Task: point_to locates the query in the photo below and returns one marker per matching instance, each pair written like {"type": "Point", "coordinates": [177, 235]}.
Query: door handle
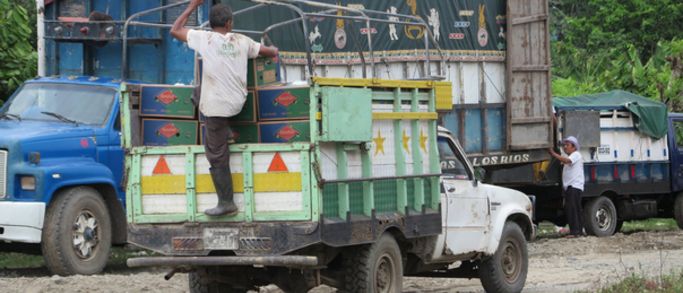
{"type": "Point", "coordinates": [451, 189]}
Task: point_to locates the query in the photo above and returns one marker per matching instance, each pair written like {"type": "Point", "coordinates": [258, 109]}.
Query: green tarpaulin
{"type": "Point", "coordinates": [650, 117]}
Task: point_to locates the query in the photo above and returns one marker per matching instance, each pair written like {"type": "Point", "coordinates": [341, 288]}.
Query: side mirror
{"type": "Point", "coordinates": [479, 173]}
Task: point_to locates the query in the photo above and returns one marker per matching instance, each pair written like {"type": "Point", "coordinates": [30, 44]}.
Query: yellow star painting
{"type": "Point", "coordinates": [379, 143]}
{"type": "Point", "coordinates": [406, 139]}
{"type": "Point", "coordinates": [423, 141]}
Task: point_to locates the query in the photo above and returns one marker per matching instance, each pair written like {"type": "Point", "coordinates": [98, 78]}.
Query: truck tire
{"type": "Point", "coordinates": [375, 268]}
{"type": "Point", "coordinates": [506, 270]}
{"type": "Point", "coordinates": [203, 280]}
{"type": "Point", "coordinates": [76, 233]}
{"type": "Point", "coordinates": [678, 210]}
{"type": "Point", "coordinates": [600, 217]}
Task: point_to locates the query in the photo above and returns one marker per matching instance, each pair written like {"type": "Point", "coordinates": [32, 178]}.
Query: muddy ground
{"type": "Point", "coordinates": [555, 265]}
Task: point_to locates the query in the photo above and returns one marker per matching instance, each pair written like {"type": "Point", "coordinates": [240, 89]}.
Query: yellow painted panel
{"type": "Point", "coordinates": [444, 96]}
{"type": "Point", "coordinates": [163, 184]}
{"type": "Point", "coordinates": [277, 182]}
{"type": "Point", "coordinates": [374, 82]}
{"type": "Point", "coordinates": [204, 183]}
{"type": "Point", "coordinates": [263, 182]}
{"type": "Point", "coordinates": [404, 115]}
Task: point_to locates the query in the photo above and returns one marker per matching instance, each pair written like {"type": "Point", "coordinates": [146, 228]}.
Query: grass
{"type": "Point", "coordinates": [649, 225]}
{"type": "Point", "coordinates": [549, 230]}
{"type": "Point", "coordinates": [672, 283]}
{"type": "Point", "coordinates": [16, 260]}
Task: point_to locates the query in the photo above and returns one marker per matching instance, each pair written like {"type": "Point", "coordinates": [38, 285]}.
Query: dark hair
{"type": "Point", "coordinates": [219, 15]}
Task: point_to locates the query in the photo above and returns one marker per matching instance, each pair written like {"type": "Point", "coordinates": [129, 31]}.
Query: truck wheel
{"type": "Point", "coordinates": [376, 268]}
{"type": "Point", "coordinates": [506, 270]}
{"type": "Point", "coordinates": [600, 217]}
{"type": "Point", "coordinates": [678, 210]}
{"type": "Point", "coordinates": [204, 280]}
{"type": "Point", "coordinates": [76, 233]}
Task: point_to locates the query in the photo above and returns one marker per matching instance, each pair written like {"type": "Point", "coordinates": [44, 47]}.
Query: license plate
{"type": "Point", "coordinates": [221, 238]}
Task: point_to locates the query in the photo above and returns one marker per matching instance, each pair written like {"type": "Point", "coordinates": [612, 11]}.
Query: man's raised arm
{"type": "Point", "coordinates": [268, 51]}
{"type": "Point", "coordinates": [179, 31]}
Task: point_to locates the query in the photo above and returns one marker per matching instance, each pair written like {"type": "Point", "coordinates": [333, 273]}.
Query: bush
{"type": "Point", "coordinates": [18, 59]}
{"type": "Point", "coordinates": [666, 284]}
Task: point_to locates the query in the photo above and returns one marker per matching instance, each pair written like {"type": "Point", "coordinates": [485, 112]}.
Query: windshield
{"type": "Point", "coordinates": [68, 103]}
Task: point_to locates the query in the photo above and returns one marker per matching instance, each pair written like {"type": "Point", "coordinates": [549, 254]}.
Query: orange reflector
{"type": "Point", "coordinates": [161, 167]}
{"type": "Point", "coordinates": [277, 164]}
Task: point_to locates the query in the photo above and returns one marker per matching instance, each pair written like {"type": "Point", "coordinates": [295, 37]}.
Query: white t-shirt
{"type": "Point", "coordinates": [572, 174]}
{"type": "Point", "coordinates": [224, 76]}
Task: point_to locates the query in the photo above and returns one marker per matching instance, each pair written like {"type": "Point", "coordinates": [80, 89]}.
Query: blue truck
{"type": "Point", "coordinates": [62, 165]}
{"type": "Point", "coordinates": [632, 151]}
{"type": "Point", "coordinates": [61, 159]}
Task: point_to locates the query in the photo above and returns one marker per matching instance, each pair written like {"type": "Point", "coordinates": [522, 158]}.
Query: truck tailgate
{"type": "Point", "coordinates": [173, 184]}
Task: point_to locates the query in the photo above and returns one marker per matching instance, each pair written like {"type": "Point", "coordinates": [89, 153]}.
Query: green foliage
{"type": "Point", "coordinates": [672, 283]}
{"type": "Point", "coordinates": [18, 59]}
{"type": "Point", "coordinates": [634, 45]}
{"type": "Point", "coordinates": [649, 225]}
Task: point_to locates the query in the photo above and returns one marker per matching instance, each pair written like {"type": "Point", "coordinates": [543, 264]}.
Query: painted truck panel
{"type": "Point", "coordinates": [503, 107]}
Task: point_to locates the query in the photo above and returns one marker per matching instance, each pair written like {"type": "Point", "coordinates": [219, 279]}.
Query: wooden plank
{"type": "Point", "coordinates": [527, 68]}
{"type": "Point", "coordinates": [405, 116]}
{"type": "Point", "coordinates": [417, 156]}
{"type": "Point", "coordinates": [401, 188]}
{"type": "Point", "coordinates": [343, 188]}
{"type": "Point", "coordinates": [529, 19]}
{"type": "Point", "coordinates": [248, 190]}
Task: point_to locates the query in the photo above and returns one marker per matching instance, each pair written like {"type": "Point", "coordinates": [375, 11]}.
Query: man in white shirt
{"type": "Point", "coordinates": [572, 183]}
{"type": "Point", "coordinates": [223, 90]}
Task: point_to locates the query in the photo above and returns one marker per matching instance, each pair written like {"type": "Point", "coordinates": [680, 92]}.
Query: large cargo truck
{"type": "Point", "coordinates": [495, 53]}
{"type": "Point", "coordinates": [631, 151]}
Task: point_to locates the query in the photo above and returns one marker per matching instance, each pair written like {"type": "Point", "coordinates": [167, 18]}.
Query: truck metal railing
{"type": "Point", "coordinates": [106, 30]}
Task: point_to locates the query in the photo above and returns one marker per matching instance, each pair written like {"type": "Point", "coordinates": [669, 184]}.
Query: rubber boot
{"type": "Point", "coordinates": [222, 180]}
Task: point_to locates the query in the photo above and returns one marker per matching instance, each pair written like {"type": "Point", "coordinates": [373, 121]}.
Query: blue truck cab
{"type": "Point", "coordinates": [61, 166]}
{"type": "Point", "coordinates": [61, 159]}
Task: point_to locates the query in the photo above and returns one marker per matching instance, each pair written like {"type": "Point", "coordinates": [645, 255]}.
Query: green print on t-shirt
{"type": "Point", "coordinates": [228, 50]}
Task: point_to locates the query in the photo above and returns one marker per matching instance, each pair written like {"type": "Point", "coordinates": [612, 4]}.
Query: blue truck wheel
{"type": "Point", "coordinates": [76, 233]}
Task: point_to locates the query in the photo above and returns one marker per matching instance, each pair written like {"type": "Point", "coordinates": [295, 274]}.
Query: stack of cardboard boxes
{"type": "Point", "coordinates": [168, 115]}
{"type": "Point", "coordinates": [273, 112]}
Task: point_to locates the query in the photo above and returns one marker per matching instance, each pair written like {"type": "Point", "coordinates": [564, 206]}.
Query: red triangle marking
{"type": "Point", "coordinates": [277, 164]}
{"type": "Point", "coordinates": [161, 167]}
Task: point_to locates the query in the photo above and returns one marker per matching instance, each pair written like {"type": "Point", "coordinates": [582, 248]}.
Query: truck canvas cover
{"type": "Point", "coordinates": [649, 116]}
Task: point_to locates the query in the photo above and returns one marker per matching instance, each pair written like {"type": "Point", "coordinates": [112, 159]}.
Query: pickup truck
{"type": "Point", "coordinates": [377, 191]}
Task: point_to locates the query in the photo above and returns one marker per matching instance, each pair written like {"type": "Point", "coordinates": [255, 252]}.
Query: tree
{"type": "Point", "coordinates": [18, 59]}
{"type": "Point", "coordinates": [633, 45]}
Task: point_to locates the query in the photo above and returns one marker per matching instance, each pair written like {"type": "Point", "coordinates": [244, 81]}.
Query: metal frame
{"type": "Point", "coordinates": [359, 14]}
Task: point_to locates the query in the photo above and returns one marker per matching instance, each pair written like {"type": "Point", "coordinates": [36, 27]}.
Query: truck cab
{"type": "Point", "coordinates": [62, 165]}
{"type": "Point", "coordinates": [473, 211]}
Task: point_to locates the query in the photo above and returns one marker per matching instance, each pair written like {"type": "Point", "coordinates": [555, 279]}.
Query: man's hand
{"type": "Point", "coordinates": [268, 51]}
{"type": "Point", "coordinates": [179, 31]}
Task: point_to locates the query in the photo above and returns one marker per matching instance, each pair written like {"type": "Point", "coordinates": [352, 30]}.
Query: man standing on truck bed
{"type": "Point", "coordinates": [223, 90]}
{"type": "Point", "coordinates": [572, 183]}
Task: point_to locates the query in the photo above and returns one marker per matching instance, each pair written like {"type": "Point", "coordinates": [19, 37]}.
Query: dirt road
{"type": "Point", "coordinates": [555, 265]}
